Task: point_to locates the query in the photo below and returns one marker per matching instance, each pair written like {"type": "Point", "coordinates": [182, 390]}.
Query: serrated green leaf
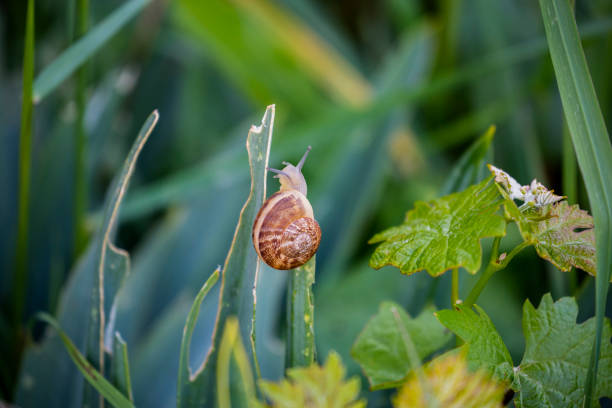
{"type": "Point", "coordinates": [561, 234]}
{"type": "Point", "coordinates": [380, 349]}
{"type": "Point", "coordinates": [94, 377]}
{"type": "Point", "coordinates": [554, 368]}
{"type": "Point", "coordinates": [443, 234]}
{"type": "Point", "coordinates": [315, 386]}
{"type": "Point", "coordinates": [566, 238]}
{"type": "Point", "coordinates": [446, 382]}
{"type": "Point", "coordinates": [486, 349]}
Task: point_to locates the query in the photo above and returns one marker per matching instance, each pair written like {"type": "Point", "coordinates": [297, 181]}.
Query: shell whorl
{"type": "Point", "coordinates": [285, 233]}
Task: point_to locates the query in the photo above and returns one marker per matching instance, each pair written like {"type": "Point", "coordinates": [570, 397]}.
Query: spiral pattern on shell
{"type": "Point", "coordinates": [285, 233]}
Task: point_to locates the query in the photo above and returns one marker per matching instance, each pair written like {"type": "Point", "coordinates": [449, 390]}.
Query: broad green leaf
{"type": "Point", "coordinates": [184, 373]}
{"type": "Point", "coordinates": [120, 367]}
{"type": "Point", "coordinates": [93, 376]}
{"type": "Point", "coordinates": [486, 349]}
{"type": "Point", "coordinates": [554, 367]}
{"type": "Point", "coordinates": [236, 390]}
{"type": "Point", "coordinates": [381, 351]}
{"type": "Point", "coordinates": [71, 59]}
{"type": "Point", "coordinates": [447, 382]}
{"type": "Point", "coordinates": [239, 271]}
{"type": "Point", "coordinates": [592, 145]}
{"type": "Point", "coordinates": [315, 386]}
{"type": "Point", "coordinates": [87, 308]}
{"type": "Point", "coordinates": [442, 234]}
{"type": "Point", "coordinates": [300, 351]}
{"type": "Point", "coordinates": [468, 168]}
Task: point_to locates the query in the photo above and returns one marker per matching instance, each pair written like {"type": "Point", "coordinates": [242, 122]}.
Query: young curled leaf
{"type": "Point", "coordinates": [447, 382]}
{"type": "Point", "coordinates": [561, 233]}
{"type": "Point", "coordinates": [443, 234]}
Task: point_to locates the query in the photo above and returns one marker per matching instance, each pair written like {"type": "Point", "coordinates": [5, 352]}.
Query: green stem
{"type": "Point", "coordinates": [25, 162]}
{"type": "Point", "coordinates": [455, 286]}
{"type": "Point", "coordinates": [300, 351]}
{"type": "Point", "coordinates": [80, 177]}
{"type": "Point", "coordinates": [495, 264]}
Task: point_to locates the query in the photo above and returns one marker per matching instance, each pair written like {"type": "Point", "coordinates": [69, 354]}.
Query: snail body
{"type": "Point", "coordinates": [285, 233]}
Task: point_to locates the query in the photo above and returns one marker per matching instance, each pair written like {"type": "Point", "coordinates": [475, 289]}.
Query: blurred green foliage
{"type": "Point", "coordinates": [389, 94]}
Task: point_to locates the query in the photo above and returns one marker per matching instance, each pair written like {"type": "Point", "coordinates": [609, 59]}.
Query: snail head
{"type": "Point", "coordinates": [291, 177]}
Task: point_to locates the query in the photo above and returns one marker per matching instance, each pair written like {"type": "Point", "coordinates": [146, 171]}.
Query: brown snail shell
{"type": "Point", "coordinates": [285, 233]}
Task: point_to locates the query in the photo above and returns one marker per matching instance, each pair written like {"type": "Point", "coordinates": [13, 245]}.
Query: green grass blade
{"type": "Point", "coordinates": [97, 380]}
{"type": "Point", "coordinates": [593, 150]}
{"type": "Point", "coordinates": [111, 262]}
{"type": "Point", "coordinates": [184, 373]}
{"type": "Point", "coordinates": [233, 390]}
{"type": "Point", "coordinates": [80, 175]}
{"type": "Point", "coordinates": [300, 349]}
{"type": "Point", "coordinates": [240, 269]}
{"type": "Point", "coordinates": [71, 59]}
{"type": "Point", "coordinates": [468, 169]}
{"type": "Point", "coordinates": [120, 367]}
{"type": "Point", "coordinates": [25, 163]}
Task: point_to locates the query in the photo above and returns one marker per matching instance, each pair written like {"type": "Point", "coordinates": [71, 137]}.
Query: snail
{"type": "Point", "coordinates": [285, 233]}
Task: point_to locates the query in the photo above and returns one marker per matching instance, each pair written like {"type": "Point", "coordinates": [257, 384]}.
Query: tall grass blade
{"type": "Point", "coordinates": [25, 164]}
{"type": "Point", "coordinates": [184, 373]}
{"type": "Point", "coordinates": [120, 367]}
{"type": "Point", "coordinates": [593, 150]}
{"type": "Point", "coordinates": [112, 263]}
{"type": "Point", "coordinates": [239, 273]}
{"type": "Point", "coordinates": [233, 389]}
{"type": "Point", "coordinates": [80, 171]}
{"type": "Point", "coordinates": [94, 377]}
{"type": "Point", "coordinates": [71, 59]}
{"type": "Point", "coordinates": [300, 349]}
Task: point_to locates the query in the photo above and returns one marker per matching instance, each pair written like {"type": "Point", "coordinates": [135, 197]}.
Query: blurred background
{"type": "Point", "coordinates": [389, 94]}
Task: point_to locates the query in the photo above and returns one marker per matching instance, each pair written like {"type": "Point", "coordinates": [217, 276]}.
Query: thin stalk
{"type": "Point", "coordinates": [455, 287]}
{"type": "Point", "coordinates": [80, 138]}
{"type": "Point", "coordinates": [570, 168]}
{"type": "Point", "coordinates": [300, 351]}
{"type": "Point", "coordinates": [25, 164]}
{"type": "Point", "coordinates": [495, 264]}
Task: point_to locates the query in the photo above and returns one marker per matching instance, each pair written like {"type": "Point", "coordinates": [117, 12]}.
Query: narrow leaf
{"type": "Point", "coordinates": [25, 163]}
{"type": "Point", "coordinates": [240, 269]}
{"type": "Point", "coordinates": [120, 367]}
{"type": "Point", "coordinates": [233, 390]}
{"type": "Point", "coordinates": [442, 234]}
{"type": "Point", "coordinates": [381, 351]}
{"type": "Point", "coordinates": [469, 167]}
{"type": "Point", "coordinates": [592, 145]}
{"type": "Point", "coordinates": [71, 59]}
{"type": "Point", "coordinates": [112, 263]}
{"type": "Point", "coordinates": [300, 351]}
{"type": "Point", "coordinates": [184, 373]}
{"type": "Point", "coordinates": [94, 377]}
